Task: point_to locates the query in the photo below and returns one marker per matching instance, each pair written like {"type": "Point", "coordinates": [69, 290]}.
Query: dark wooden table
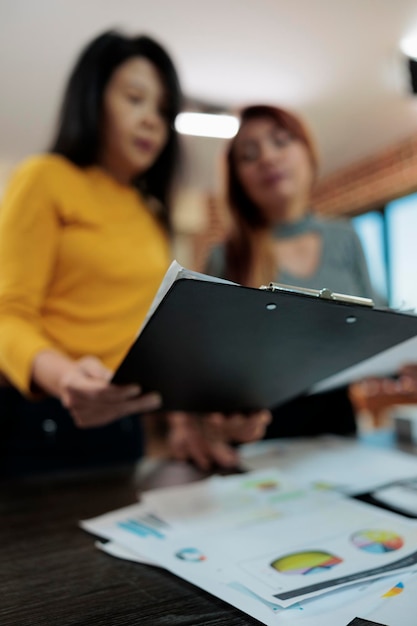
{"type": "Point", "coordinates": [51, 573]}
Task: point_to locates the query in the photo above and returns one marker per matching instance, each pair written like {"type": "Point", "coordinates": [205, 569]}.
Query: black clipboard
{"type": "Point", "coordinates": [217, 346]}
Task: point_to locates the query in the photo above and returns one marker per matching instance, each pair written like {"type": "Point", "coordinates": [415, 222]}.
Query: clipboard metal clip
{"type": "Point", "coordinates": [324, 293]}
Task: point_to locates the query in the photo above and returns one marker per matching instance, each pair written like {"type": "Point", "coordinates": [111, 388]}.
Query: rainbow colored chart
{"type": "Point", "coordinates": [312, 562]}
{"type": "Point", "coordinates": [394, 591]}
{"type": "Point", "coordinates": [377, 541]}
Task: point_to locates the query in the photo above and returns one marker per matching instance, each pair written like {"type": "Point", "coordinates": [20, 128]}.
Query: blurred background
{"type": "Point", "coordinates": [339, 64]}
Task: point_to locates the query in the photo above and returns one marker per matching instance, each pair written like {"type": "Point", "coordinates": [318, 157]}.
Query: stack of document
{"type": "Point", "coordinates": [274, 547]}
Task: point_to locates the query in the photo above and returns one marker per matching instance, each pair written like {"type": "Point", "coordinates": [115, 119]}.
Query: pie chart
{"type": "Point", "coordinates": [190, 554]}
{"type": "Point", "coordinates": [377, 541]}
{"type": "Point", "coordinates": [311, 562]}
{"type": "Point", "coordinates": [265, 484]}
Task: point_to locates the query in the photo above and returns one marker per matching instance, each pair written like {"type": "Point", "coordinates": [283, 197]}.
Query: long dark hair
{"type": "Point", "coordinates": [78, 134]}
{"type": "Point", "coordinates": [249, 259]}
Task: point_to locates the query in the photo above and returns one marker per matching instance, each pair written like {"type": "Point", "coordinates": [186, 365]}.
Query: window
{"type": "Point", "coordinates": [370, 228]}
{"type": "Point", "coordinates": [389, 240]}
{"type": "Point", "coordinates": [401, 218]}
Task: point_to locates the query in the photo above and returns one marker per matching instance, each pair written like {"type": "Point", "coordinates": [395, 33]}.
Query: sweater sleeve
{"type": "Point", "coordinates": [29, 227]}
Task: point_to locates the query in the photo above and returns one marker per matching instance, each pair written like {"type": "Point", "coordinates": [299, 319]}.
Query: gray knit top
{"type": "Point", "coordinates": [342, 267]}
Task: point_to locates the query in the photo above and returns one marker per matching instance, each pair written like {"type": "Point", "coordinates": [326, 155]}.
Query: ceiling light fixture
{"type": "Point", "coordinates": [207, 125]}
{"type": "Point", "coordinates": [409, 46]}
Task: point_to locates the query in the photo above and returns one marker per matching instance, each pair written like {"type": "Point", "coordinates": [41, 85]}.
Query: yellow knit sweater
{"type": "Point", "coordinates": [81, 258]}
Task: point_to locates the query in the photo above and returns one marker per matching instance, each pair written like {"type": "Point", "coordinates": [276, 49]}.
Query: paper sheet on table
{"type": "Point", "coordinates": [223, 503]}
{"type": "Point", "coordinates": [121, 552]}
{"type": "Point", "coordinates": [397, 606]}
{"type": "Point", "coordinates": [390, 599]}
{"type": "Point", "coordinates": [331, 462]}
{"type": "Point", "coordinates": [270, 550]}
{"type": "Point", "coordinates": [386, 363]}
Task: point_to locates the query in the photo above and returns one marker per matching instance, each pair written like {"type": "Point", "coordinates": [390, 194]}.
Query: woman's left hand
{"type": "Point", "coordinates": [206, 440]}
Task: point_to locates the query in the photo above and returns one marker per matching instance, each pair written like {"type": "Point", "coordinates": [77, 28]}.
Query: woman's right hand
{"type": "Point", "coordinates": [93, 400]}
{"type": "Point", "coordinates": [206, 439]}
{"type": "Point", "coordinates": [84, 388]}
{"type": "Point", "coordinates": [408, 376]}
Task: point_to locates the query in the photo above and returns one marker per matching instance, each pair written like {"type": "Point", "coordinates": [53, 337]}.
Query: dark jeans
{"type": "Point", "coordinates": [311, 415]}
{"type": "Point", "coordinates": [41, 436]}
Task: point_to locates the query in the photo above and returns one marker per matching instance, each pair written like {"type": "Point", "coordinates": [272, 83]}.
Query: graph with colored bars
{"type": "Point", "coordinates": [147, 525]}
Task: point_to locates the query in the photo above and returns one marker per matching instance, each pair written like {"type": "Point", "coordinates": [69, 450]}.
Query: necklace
{"type": "Point", "coordinates": [286, 230]}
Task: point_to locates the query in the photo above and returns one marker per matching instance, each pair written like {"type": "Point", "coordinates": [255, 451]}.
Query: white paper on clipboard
{"type": "Point", "coordinates": [386, 363]}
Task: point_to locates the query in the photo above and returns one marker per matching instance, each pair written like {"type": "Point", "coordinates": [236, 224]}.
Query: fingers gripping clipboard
{"type": "Point", "coordinates": [210, 345]}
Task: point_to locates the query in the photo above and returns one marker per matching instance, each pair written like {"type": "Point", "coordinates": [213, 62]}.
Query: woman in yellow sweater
{"type": "Point", "coordinates": [84, 243]}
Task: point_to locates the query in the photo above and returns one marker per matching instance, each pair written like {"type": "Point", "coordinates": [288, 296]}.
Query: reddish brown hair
{"type": "Point", "coordinates": [249, 258]}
